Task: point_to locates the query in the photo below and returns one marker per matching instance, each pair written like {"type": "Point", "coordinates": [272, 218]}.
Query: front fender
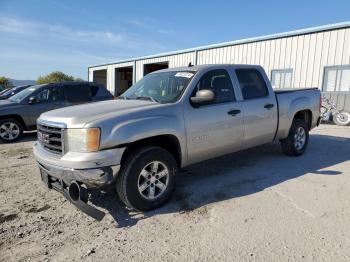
{"type": "Point", "coordinates": [136, 129]}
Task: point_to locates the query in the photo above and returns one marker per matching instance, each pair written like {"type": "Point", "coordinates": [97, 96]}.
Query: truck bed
{"type": "Point", "coordinates": [288, 90]}
{"type": "Point", "coordinates": [292, 100]}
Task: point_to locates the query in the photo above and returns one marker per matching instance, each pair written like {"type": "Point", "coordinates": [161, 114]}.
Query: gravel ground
{"type": "Point", "coordinates": [256, 205]}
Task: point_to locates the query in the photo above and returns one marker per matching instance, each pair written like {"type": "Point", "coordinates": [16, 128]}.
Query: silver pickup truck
{"type": "Point", "coordinates": [168, 120]}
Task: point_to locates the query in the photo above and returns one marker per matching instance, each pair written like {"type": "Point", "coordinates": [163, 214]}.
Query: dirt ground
{"type": "Point", "coordinates": [256, 205]}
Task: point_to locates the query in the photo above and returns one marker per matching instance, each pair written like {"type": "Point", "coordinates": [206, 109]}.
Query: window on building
{"type": "Point", "coordinates": [251, 83]}
{"type": "Point", "coordinates": [281, 78]}
{"type": "Point", "coordinates": [336, 79]}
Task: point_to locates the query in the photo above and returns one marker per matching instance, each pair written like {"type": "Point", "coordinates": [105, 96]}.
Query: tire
{"type": "Point", "coordinates": [296, 143]}
{"type": "Point", "coordinates": [10, 130]}
{"type": "Point", "coordinates": [342, 119]}
{"type": "Point", "coordinates": [139, 170]}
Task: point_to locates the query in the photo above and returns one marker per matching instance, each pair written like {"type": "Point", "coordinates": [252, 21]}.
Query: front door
{"type": "Point", "coordinates": [217, 128]}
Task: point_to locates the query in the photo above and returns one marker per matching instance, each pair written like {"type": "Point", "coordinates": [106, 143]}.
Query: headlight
{"type": "Point", "coordinates": [82, 139]}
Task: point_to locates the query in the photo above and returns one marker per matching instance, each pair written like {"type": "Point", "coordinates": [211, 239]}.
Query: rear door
{"type": "Point", "coordinates": [217, 128]}
{"type": "Point", "coordinates": [77, 93]}
{"type": "Point", "coordinates": [259, 106]}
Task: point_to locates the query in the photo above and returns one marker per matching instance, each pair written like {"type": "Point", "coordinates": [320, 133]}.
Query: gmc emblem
{"type": "Point", "coordinates": [45, 138]}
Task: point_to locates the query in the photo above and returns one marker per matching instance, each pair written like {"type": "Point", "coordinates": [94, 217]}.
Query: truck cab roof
{"type": "Point", "coordinates": [196, 68]}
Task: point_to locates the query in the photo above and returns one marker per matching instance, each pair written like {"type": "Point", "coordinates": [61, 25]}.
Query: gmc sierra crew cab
{"type": "Point", "coordinates": [170, 119]}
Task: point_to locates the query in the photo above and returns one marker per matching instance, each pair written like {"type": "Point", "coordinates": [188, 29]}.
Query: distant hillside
{"type": "Point", "coordinates": [22, 82]}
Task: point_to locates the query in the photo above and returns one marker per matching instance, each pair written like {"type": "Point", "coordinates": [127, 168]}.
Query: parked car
{"type": "Point", "coordinates": [168, 120]}
{"type": "Point", "coordinates": [12, 91]}
{"type": "Point", "coordinates": [20, 112]}
{"type": "Point", "coordinates": [2, 88]}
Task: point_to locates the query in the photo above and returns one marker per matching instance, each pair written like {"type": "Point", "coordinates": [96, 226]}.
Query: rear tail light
{"type": "Point", "coordinates": [320, 102]}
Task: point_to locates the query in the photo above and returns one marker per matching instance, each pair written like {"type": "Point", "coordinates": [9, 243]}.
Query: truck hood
{"type": "Point", "coordinates": [80, 115]}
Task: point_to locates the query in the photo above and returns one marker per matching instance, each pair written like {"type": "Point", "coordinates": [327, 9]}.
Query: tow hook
{"type": "Point", "coordinates": [78, 196]}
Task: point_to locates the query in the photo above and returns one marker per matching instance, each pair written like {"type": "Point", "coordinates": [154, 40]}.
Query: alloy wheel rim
{"type": "Point", "coordinates": [153, 180]}
{"type": "Point", "coordinates": [299, 138]}
{"type": "Point", "coordinates": [9, 131]}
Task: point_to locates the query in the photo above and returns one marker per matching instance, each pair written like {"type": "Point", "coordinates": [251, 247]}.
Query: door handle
{"type": "Point", "coordinates": [269, 106]}
{"type": "Point", "coordinates": [234, 112]}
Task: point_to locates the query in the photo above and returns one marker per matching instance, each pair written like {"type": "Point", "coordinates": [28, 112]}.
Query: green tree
{"type": "Point", "coordinates": [54, 77]}
{"type": "Point", "coordinates": [5, 83]}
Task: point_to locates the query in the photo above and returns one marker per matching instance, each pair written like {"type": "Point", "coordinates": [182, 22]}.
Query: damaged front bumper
{"type": "Point", "coordinates": [80, 172]}
{"type": "Point", "coordinates": [73, 184]}
{"type": "Point", "coordinates": [94, 177]}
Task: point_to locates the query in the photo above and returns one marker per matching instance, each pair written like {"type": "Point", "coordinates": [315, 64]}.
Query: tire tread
{"type": "Point", "coordinates": [130, 161]}
{"type": "Point", "coordinates": [288, 143]}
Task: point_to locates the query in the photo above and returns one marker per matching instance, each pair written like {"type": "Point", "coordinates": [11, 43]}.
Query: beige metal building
{"type": "Point", "coordinates": [313, 57]}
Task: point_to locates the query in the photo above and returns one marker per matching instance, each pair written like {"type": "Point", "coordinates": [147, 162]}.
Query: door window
{"type": "Point", "coordinates": [77, 93]}
{"type": "Point", "coordinates": [49, 94]}
{"type": "Point", "coordinates": [252, 83]}
{"type": "Point", "coordinates": [220, 83]}
{"type": "Point", "coordinates": [42, 96]}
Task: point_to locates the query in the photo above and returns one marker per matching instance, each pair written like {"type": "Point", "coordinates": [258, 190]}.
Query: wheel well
{"type": "Point", "coordinates": [305, 115]}
{"type": "Point", "coordinates": [168, 142]}
{"type": "Point", "coordinates": [17, 117]}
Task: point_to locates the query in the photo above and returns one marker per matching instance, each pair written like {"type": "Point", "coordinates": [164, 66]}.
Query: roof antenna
{"type": "Point", "coordinates": [190, 64]}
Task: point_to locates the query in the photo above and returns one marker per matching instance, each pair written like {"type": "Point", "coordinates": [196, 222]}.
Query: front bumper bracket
{"type": "Point", "coordinates": [81, 203]}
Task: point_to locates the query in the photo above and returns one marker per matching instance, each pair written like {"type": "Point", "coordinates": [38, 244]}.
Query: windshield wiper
{"type": "Point", "coordinates": [147, 98]}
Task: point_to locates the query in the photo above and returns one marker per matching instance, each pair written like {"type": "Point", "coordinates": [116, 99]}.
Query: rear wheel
{"type": "Point", "coordinates": [342, 119]}
{"type": "Point", "coordinates": [10, 130]}
{"type": "Point", "coordinates": [147, 178]}
{"type": "Point", "coordinates": [296, 142]}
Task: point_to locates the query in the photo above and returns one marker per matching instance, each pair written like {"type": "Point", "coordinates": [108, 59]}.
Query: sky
{"type": "Point", "coordinates": [38, 37]}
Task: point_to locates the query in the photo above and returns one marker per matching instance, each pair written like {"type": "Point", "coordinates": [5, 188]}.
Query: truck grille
{"type": "Point", "coordinates": [51, 138]}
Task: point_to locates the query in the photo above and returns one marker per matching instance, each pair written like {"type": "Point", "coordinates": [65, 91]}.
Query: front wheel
{"type": "Point", "coordinates": [10, 130]}
{"type": "Point", "coordinates": [296, 142]}
{"type": "Point", "coordinates": [342, 119]}
{"type": "Point", "coordinates": [147, 178]}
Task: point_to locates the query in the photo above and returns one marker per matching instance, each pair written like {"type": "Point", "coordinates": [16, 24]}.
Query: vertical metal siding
{"type": "Point", "coordinates": [306, 54]}
{"type": "Point", "coordinates": [173, 60]}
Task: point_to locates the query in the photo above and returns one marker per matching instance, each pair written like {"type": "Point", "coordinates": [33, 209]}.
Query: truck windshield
{"type": "Point", "coordinates": [162, 87]}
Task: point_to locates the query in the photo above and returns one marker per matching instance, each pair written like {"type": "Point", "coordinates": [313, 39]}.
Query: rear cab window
{"type": "Point", "coordinates": [77, 93]}
{"type": "Point", "coordinates": [252, 83]}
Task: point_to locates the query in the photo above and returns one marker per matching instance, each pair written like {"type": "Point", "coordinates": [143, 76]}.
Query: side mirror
{"type": "Point", "coordinates": [202, 97]}
{"type": "Point", "coordinates": [31, 100]}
